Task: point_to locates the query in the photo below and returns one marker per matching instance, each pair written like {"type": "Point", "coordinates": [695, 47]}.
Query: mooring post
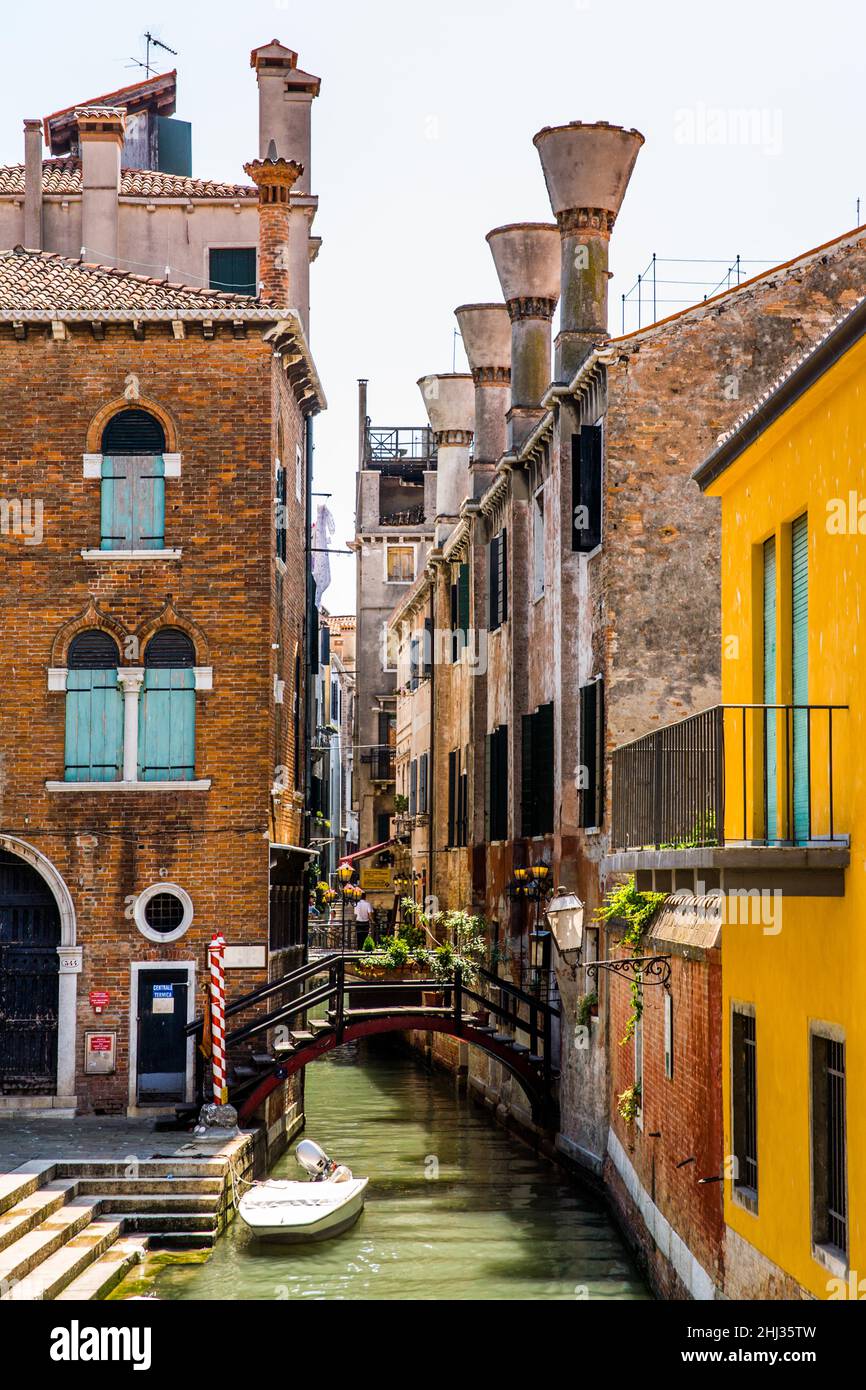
{"type": "Point", "coordinates": [217, 1007]}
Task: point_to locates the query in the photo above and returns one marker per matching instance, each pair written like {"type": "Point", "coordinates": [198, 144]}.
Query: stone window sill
{"type": "Point", "coordinates": [745, 1197]}
{"type": "Point", "coordinates": [201, 785]}
{"type": "Point", "coordinates": [168, 554]}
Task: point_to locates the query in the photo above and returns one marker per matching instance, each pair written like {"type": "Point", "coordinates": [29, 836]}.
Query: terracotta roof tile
{"type": "Point", "coordinates": [44, 280]}
{"type": "Point", "coordinates": [63, 175]}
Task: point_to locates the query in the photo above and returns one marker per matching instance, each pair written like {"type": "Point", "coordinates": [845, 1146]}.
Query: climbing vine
{"type": "Point", "coordinates": [625, 903]}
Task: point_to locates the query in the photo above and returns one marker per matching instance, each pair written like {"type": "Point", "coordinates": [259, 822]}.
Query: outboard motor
{"type": "Point", "coordinates": [314, 1160]}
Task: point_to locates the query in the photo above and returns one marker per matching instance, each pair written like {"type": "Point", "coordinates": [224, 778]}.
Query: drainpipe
{"type": "Point", "coordinates": [486, 333]}
{"type": "Point", "coordinates": [526, 256]}
{"type": "Point", "coordinates": [587, 170]}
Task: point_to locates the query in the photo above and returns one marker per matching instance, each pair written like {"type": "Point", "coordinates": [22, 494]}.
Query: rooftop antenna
{"type": "Point", "coordinates": [152, 42]}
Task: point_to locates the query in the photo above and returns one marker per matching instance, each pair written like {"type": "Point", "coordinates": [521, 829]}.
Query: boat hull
{"type": "Point", "coordinates": [295, 1212]}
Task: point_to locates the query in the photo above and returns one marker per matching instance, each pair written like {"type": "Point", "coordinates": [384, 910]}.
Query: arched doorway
{"type": "Point", "coordinates": [30, 934]}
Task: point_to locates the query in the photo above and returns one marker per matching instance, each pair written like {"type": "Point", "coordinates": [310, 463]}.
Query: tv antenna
{"type": "Point", "coordinates": [152, 42]}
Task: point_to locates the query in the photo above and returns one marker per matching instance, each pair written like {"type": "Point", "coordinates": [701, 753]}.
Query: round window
{"type": "Point", "coordinates": [163, 912]}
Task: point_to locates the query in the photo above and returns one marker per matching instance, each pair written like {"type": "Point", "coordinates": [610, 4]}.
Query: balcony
{"type": "Point", "coordinates": [400, 451]}
{"type": "Point", "coordinates": [734, 792]}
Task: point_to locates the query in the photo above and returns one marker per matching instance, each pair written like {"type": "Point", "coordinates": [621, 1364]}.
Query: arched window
{"type": "Point", "coordinates": [166, 724]}
{"type": "Point", "coordinates": [133, 482]}
{"type": "Point", "coordinates": [94, 709]}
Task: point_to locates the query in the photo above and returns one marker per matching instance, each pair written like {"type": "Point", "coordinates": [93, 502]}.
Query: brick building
{"type": "Point", "coordinates": [593, 570]}
{"type": "Point", "coordinates": [154, 451]}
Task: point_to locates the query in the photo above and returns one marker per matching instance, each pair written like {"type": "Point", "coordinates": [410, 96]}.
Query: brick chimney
{"type": "Point", "coordinates": [526, 256]}
{"type": "Point", "coordinates": [486, 333]}
{"type": "Point", "coordinates": [33, 184]}
{"type": "Point", "coordinates": [274, 178]}
{"type": "Point", "coordinates": [100, 137]}
{"type": "Point", "coordinates": [286, 95]}
{"type": "Point", "coordinates": [587, 169]}
{"type": "Point", "coordinates": [450, 404]}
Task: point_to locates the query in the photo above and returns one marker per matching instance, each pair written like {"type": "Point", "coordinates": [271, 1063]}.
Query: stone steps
{"type": "Point", "coordinates": [100, 1277]}
{"type": "Point", "coordinates": [39, 1244]}
{"type": "Point", "coordinates": [175, 1222]}
{"type": "Point", "coordinates": [115, 1187]}
{"type": "Point", "coordinates": [159, 1203]}
{"type": "Point", "coordinates": [47, 1279]}
{"type": "Point", "coordinates": [22, 1182]}
{"type": "Point", "coordinates": [18, 1220]}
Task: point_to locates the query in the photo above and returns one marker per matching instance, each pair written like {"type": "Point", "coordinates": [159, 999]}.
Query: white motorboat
{"type": "Point", "coordinates": [329, 1202]}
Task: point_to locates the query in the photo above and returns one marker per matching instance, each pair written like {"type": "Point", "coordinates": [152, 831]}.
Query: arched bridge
{"type": "Point", "coordinates": [312, 1018]}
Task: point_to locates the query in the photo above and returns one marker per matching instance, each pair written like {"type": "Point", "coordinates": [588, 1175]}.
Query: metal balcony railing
{"type": "Point", "coordinates": [394, 448]}
{"type": "Point", "coordinates": [745, 774]}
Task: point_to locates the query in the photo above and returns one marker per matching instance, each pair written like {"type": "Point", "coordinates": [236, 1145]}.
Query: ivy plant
{"type": "Point", "coordinates": [625, 903]}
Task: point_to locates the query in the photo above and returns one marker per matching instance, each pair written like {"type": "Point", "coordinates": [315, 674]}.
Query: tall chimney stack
{"type": "Point", "coordinates": [274, 178]}
{"type": "Point", "coordinates": [100, 135]}
{"type": "Point", "coordinates": [587, 169]}
{"type": "Point", "coordinates": [33, 184]}
{"type": "Point", "coordinates": [486, 333]}
{"type": "Point", "coordinates": [526, 256]}
{"type": "Point", "coordinates": [286, 95]}
{"type": "Point", "coordinates": [450, 404]}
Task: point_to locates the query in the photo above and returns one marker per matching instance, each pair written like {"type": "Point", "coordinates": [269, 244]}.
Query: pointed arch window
{"type": "Point", "coordinates": [133, 482]}
{"type": "Point", "coordinates": [166, 730]}
{"type": "Point", "coordinates": [94, 709]}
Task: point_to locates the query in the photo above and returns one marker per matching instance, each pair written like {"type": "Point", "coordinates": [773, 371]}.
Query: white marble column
{"type": "Point", "coordinates": [130, 679]}
{"type": "Point", "coordinates": [67, 1049]}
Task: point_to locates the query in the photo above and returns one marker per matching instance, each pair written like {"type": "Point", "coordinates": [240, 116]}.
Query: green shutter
{"type": "Point", "coordinates": [463, 620]}
{"type": "Point", "coordinates": [133, 502]}
{"type": "Point", "coordinates": [94, 726]}
{"type": "Point", "coordinates": [527, 785]}
{"type": "Point", "coordinates": [543, 757]}
{"type": "Point", "coordinates": [166, 725]}
{"type": "Point", "coordinates": [769, 685]}
{"type": "Point", "coordinates": [800, 673]}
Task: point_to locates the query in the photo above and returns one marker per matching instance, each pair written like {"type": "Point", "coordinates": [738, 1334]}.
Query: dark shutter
{"type": "Point", "coordinates": [422, 785]}
{"type": "Point", "coordinates": [591, 753]}
{"type": "Point", "coordinates": [452, 798]}
{"type": "Point", "coordinates": [427, 655]}
{"type": "Point", "coordinates": [92, 650]}
{"type": "Point", "coordinates": [463, 806]}
{"type": "Point", "coordinates": [586, 460]}
{"type": "Point", "coordinates": [463, 614]}
{"type": "Point", "coordinates": [503, 575]}
{"type": "Point", "coordinates": [280, 519]}
{"type": "Point", "coordinates": [455, 645]}
{"type": "Point", "coordinates": [488, 787]}
{"type": "Point", "coordinates": [527, 785]}
{"type": "Point", "coordinates": [133, 432]}
{"type": "Point", "coordinates": [169, 647]}
{"type": "Point", "coordinates": [493, 583]}
{"type": "Point", "coordinates": [325, 646]}
{"type": "Point", "coordinates": [233, 269]}
{"type": "Point", "coordinates": [497, 784]}
{"type": "Point", "coordinates": [413, 787]}
{"type": "Point", "coordinates": [542, 761]}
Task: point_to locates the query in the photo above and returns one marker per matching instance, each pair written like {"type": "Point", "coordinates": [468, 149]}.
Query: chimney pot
{"type": "Point", "coordinates": [274, 179]}
{"type": "Point", "coordinates": [486, 333]}
{"type": "Point", "coordinates": [100, 136]}
{"type": "Point", "coordinates": [587, 168]}
{"type": "Point", "coordinates": [449, 400]}
{"type": "Point", "coordinates": [526, 256]}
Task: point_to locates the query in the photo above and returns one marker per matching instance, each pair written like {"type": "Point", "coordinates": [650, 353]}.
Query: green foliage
{"type": "Point", "coordinates": [397, 954]}
{"type": "Point", "coordinates": [585, 1005]}
{"type": "Point", "coordinates": [401, 804]}
{"type": "Point", "coordinates": [628, 1104]}
{"type": "Point", "coordinates": [369, 944]}
{"type": "Point", "coordinates": [625, 903]}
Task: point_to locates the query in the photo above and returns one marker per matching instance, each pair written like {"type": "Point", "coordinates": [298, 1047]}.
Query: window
{"type": "Point", "coordinates": [133, 483]}
{"type": "Point", "coordinates": [413, 787]}
{"type": "Point", "coordinates": [400, 564]}
{"type": "Point", "coordinates": [497, 580]}
{"type": "Point", "coordinates": [497, 783]}
{"type": "Point", "coordinates": [459, 610]}
{"type": "Point", "coordinates": [538, 544]}
{"type": "Point", "coordinates": [829, 1156]}
{"type": "Point", "coordinates": [669, 1035]}
{"type": "Point", "coordinates": [163, 912]}
{"type": "Point", "coordinates": [166, 716]}
{"type": "Point", "coordinates": [280, 511]}
{"type": "Point", "coordinates": [744, 1100]}
{"type": "Point", "coordinates": [94, 709]}
{"type": "Point", "coordinates": [383, 827]}
{"type": "Point", "coordinates": [592, 754]}
{"type": "Point", "coordinates": [299, 473]}
{"type": "Point", "coordinates": [384, 755]}
{"type": "Point", "coordinates": [233, 269]}
{"type": "Point", "coordinates": [537, 772]}
{"type": "Point", "coordinates": [458, 800]}
{"type": "Point", "coordinates": [422, 784]}
{"type": "Point", "coordinates": [586, 469]}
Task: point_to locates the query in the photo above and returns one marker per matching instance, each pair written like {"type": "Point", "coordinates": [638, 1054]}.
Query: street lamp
{"type": "Point", "coordinates": [539, 955]}
{"type": "Point", "coordinates": [565, 918]}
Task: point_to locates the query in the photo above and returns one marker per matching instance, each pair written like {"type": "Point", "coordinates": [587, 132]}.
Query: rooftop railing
{"type": "Point", "coordinates": [396, 448]}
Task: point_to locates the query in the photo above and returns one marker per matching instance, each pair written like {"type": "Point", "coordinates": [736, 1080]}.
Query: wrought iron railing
{"type": "Point", "coordinates": [753, 774]}
{"type": "Point", "coordinates": [400, 445]}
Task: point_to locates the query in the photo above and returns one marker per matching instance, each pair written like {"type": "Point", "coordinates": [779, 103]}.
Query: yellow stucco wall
{"type": "Point", "coordinates": [814, 968]}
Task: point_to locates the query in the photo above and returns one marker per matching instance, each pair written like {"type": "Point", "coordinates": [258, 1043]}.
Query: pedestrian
{"type": "Point", "coordinates": [363, 917]}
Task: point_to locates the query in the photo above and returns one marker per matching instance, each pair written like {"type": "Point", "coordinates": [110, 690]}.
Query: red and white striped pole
{"type": "Point", "coordinates": [218, 1018]}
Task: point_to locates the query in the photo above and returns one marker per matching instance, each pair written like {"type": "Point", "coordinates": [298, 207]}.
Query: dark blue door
{"type": "Point", "coordinates": [29, 966]}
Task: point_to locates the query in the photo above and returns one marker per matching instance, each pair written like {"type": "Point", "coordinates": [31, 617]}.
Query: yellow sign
{"type": "Point", "coordinates": [377, 880]}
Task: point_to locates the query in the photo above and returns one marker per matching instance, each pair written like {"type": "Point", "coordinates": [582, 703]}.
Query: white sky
{"type": "Point", "coordinates": [422, 141]}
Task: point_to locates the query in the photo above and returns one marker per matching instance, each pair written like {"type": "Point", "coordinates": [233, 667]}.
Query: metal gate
{"type": "Point", "coordinates": [29, 979]}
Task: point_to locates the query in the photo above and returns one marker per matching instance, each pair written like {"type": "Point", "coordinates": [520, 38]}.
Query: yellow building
{"type": "Point", "coordinates": [791, 795]}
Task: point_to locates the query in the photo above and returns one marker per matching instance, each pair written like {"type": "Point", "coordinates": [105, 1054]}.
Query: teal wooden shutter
{"type": "Point", "coordinates": [94, 726]}
{"type": "Point", "coordinates": [800, 674]}
{"type": "Point", "coordinates": [769, 689]}
{"type": "Point", "coordinates": [133, 502]}
{"type": "Point", "coordinates": [166, 725]}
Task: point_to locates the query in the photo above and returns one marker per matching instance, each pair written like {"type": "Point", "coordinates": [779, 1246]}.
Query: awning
{"type": "Point", "coordinates": [371, 849]}
{"type": "Point", "coordinates": [294, 849]}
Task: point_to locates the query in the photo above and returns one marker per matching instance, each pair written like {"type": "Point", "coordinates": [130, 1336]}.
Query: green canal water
{"type": "Point", "coordinates": [456, 1209]}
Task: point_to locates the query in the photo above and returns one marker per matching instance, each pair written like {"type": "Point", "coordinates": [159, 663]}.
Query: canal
{"type": "Point", "coordinates": [456, 1208]}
